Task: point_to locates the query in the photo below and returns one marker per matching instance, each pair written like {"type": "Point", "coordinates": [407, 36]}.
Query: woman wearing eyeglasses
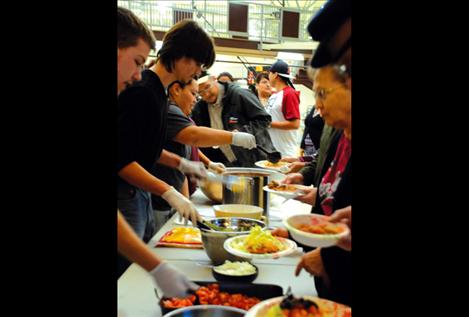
{"type": "Point", "coordinates": [333, 187]}
{"type": "Point", "coordinates": [334, 102]}
{"type": "Point", "coordinates": [182, 138]}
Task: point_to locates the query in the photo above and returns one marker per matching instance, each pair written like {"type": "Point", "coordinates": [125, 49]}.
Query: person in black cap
{"type": "Point", "coordinates": [332, 266]}
{"type": "Point", "coordinates": [284, 107]}
{"type": "Point", "coordinates": [332, 28]}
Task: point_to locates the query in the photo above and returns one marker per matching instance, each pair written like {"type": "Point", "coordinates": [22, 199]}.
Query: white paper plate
{"type": "Point", "coordinates": [289, 244]}
{"type": "Point", "coordinates": [327, 308]}
{"type": "Point", "coordinates": [285, 194]}
{"type": "Point", "coordinates": [277, 168]}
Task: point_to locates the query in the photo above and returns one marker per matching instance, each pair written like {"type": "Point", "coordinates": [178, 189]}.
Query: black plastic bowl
{"type": "Point", "coordinates": [235, 278]}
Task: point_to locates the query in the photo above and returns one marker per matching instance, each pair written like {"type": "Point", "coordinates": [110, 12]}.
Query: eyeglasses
{"type": "Point", "coordinates": [322, 93]}
{"type": "Point", "coordinates": [205, 91]}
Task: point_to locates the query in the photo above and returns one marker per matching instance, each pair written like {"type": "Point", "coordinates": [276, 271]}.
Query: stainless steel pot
{"type": "Point", "coordinates": [245, 186]}
{"type": "Point", "coordinates": [207, 311]}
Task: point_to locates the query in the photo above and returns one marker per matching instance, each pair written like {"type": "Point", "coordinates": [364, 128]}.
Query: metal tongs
{"type": "Point", "coordinates": [203, 224]}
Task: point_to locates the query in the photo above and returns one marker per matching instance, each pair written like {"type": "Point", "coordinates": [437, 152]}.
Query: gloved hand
{"type": "Point", "coordinates": [183, 206]}
{"type": "Point", "coordinates": [246, 140]}
{"type": "Point", "coordinates": [192, 168]}
{"type": "Point", "coordinates": [171, 281]}
{"type": "Point", "coordinates": [217, 167]}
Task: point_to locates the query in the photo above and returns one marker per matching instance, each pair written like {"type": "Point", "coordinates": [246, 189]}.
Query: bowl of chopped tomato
{"type": "Point", "coordinates": [237, 295]}
{"type": "Point", "coordinates": [315, 230]}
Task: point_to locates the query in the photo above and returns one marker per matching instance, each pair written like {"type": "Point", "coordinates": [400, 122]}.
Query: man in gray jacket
{"type": "Point", "coordinates": [227, 106]}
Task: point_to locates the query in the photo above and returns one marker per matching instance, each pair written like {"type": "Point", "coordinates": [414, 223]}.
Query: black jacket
{"type": "Point", "coordinates": [241, 111]}
{"type": "Point", "coordinates": [312, 172]}
{"type": "Point", "coordinates": [313, 126]}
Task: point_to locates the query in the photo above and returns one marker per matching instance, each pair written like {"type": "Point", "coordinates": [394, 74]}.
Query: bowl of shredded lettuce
{"type": "Point", "coordinates": [259, 244]}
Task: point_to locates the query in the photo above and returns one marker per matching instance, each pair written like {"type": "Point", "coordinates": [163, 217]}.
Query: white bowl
{"type": "Point", "coordinates": [238, 210]}
{"type": "Point", "coordinates": [312, 239]}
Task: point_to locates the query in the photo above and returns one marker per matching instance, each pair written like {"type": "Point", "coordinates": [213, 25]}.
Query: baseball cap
{"type": "Point", "coordinates": [323, 27]}
{"type": "Point", "coordinates": [281, 68]}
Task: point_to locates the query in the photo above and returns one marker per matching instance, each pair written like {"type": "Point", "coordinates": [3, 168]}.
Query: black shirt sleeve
{"type": "Point", "coordinates": [177, 121]}
{"type": "Point", "coordinates": [136, 127]}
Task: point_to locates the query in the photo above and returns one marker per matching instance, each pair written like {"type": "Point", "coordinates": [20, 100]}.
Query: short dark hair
{"type": "Point", "coordinates": [262, 75]}
{"type": "Point", "coordinates": [186, 39]}
{"type": "Point", "coordinates": [180, 83]}
{"type": "Point", "coordinates": [225, 74]}
{"type": "Point", "coordinates": [130, 28]}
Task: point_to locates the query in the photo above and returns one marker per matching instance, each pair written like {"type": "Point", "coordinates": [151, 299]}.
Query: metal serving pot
{"type": "Point", "coordinates": [245, 186]}
{"type": "Point", "coordinates": [207, 311]}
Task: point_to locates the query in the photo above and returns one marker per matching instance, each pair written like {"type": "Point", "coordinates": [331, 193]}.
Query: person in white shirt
{"type": "Point", "coordinates": [284, 107]}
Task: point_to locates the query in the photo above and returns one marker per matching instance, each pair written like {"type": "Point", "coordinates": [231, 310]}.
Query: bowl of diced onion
{"type": "Point", "coordinates": [242, 272]}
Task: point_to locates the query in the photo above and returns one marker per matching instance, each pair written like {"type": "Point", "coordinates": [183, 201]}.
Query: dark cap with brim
{"type": "Point", "coordinates": [324, 25]}
{"type": "Point", "coordinates": [281, 68]}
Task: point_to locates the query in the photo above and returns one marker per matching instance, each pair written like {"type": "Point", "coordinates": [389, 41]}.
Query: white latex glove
{"type": "Point", "coordinates": [192, 168]}
{"type": "Point", "coordinates": [183, 206]}
{"type": "Point", "coordinates": [171, 281]}
{"type": "Point", "coordinates": [246, 140]}
{"type": "Point", "coordinates": [216, 166]}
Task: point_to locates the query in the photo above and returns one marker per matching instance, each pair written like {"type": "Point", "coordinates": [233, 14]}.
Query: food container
{"type": "Point", "coordinates": [225, 277]}
{"type": "Point", "coordinates": [213, 240]}
{"type": "Point", "coordinates": [207, 311]}
{"type": "Point", "coordinates": [245, 186]}
{"type": "Point", "coordinates": [261, 291]}
{"type": "Point", "coordinates": [213, 190]}
{"type": "Point", "coordinates": [312, 239]}
{"type": "Point", "coordinates": [238, 210]}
